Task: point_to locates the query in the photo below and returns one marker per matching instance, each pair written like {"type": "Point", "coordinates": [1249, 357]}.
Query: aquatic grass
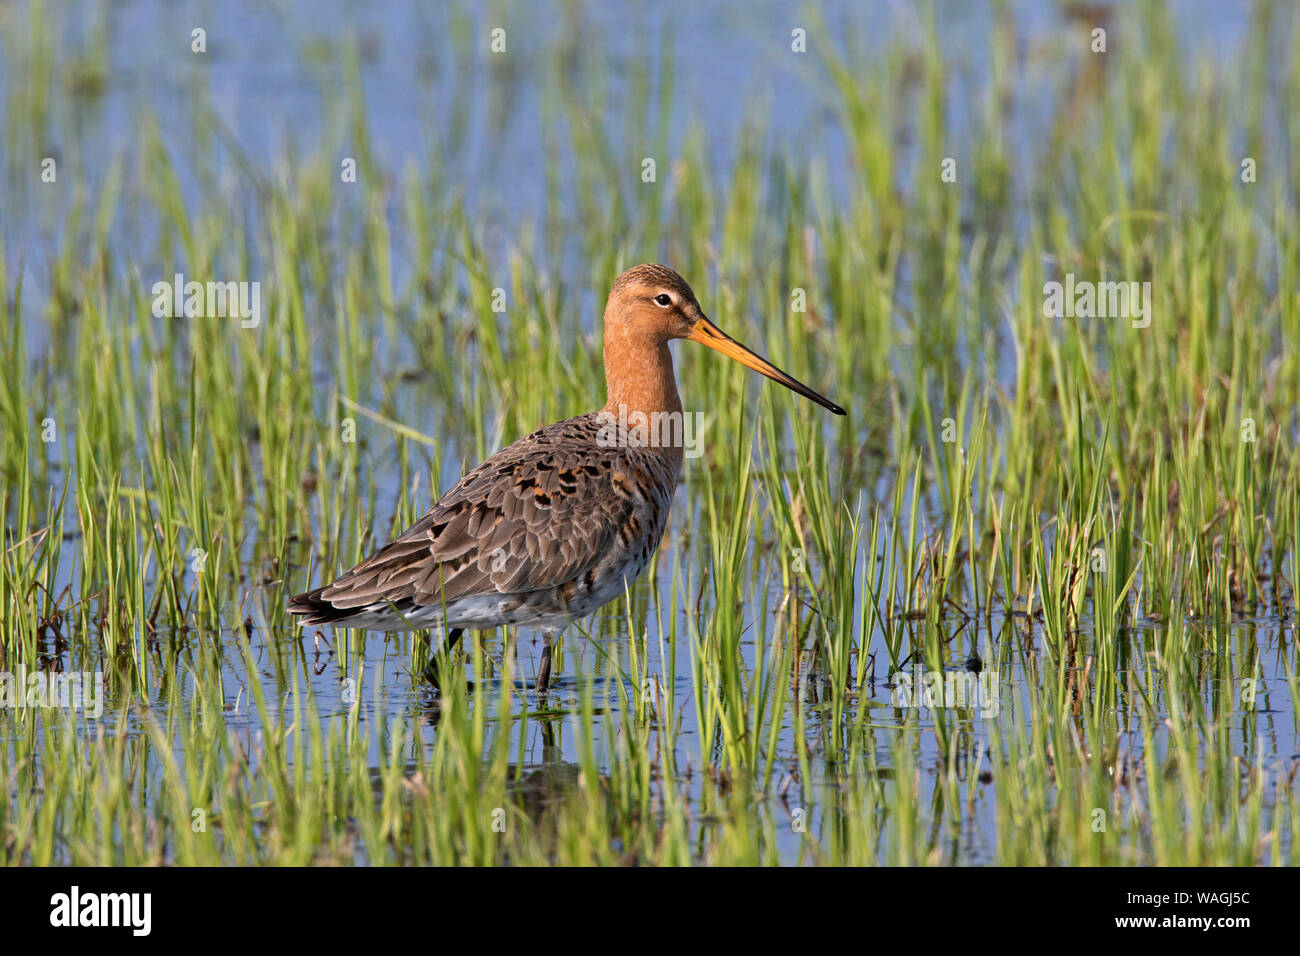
{"type": "Point", "coordinates": [1082, 505]}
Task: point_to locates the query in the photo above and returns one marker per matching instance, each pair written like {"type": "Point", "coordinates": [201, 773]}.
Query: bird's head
{"type": "Point", "coordinates": [650, 304]}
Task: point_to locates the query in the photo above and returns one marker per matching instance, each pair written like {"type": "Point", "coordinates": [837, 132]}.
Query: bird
{"type": "Point", "coordinates": [562, 521]}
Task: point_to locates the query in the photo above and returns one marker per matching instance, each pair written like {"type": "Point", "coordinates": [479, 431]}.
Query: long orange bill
{"type": "Point", "coordinates": [706, 333]}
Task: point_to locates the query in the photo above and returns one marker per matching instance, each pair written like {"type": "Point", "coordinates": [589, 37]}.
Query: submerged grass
{"type": "Point", "coordinates": [1101, 520]}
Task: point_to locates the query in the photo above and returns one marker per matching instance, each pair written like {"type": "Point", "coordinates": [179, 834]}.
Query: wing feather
{"type": "Point", "coordinates": [538, 514]}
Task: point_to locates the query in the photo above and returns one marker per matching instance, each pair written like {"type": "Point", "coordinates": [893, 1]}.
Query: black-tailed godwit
{"type": "Point", "coordinates": [558, 524]}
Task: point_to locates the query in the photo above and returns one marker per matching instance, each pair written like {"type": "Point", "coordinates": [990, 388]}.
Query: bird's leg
{"type": "Point", "coordinates": [439, 658]}
{"type": "Point", "coordinates": [544, 671]}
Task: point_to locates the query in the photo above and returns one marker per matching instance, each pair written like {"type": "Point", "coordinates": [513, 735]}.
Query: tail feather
{"type": "Point", "coordinates": [312, 608]}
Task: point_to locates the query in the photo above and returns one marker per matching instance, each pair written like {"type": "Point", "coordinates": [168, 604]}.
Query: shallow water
{"type": "Point", "coordinates": [265, 87]}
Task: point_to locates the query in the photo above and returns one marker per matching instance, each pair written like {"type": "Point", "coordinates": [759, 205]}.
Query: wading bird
{"type": "Point", "coordinates": [558, 524]}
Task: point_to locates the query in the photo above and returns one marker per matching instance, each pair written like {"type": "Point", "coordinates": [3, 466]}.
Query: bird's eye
{"type": "Point", "coordinates": [663, 299]}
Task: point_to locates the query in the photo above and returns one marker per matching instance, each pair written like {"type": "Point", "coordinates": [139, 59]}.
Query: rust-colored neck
{"type": "Point", "coordinates": [638, 371]}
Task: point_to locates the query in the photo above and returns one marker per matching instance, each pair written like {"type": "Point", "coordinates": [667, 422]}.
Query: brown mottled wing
{"type": "Point", "coordinates": [537, 514]}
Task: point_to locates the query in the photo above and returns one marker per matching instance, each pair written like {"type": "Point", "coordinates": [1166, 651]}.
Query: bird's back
{"type": "Point", "coordinates": [549, 528]}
